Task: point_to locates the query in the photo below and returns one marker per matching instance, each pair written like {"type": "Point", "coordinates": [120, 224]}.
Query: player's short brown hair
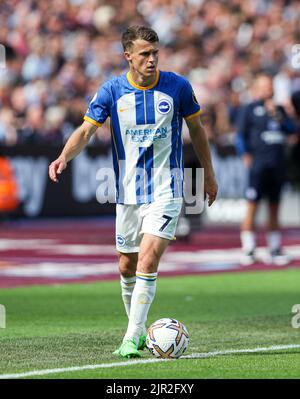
{"type": "Point", "coordinates": [138, 32]}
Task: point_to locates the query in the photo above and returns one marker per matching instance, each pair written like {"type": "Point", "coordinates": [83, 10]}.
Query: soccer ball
{"type": "Point", "coordinates": [167, 339]}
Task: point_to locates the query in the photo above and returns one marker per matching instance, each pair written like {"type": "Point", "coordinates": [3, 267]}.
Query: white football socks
{"type": "Point", "coordinates": [248, 240]}
{"type": "Point", "coordinates": [127, 286]}
{"type": "Point", "coordinates": [141, 300]}
{"type": "Point", "coordinates": [274, 240]}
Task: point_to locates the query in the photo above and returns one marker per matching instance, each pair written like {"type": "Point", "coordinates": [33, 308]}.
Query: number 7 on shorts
{"type": "Point", "coordinates": [168, 220]}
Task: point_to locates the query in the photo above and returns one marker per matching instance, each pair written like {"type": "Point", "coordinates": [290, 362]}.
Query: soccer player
{"type": "Point", "coordinates": [261, 139]}
{"type": "Point", "coordinates": [146, 107]}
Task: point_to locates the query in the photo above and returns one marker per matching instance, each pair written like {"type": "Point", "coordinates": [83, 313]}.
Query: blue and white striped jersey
{"type": "Point", "coordinates": [146, 130]}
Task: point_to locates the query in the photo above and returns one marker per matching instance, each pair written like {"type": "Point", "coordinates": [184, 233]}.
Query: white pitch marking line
{"type": "Point", "coordinates": [233, 351]}
{"type": "Point", "coordinates": [145, 361]}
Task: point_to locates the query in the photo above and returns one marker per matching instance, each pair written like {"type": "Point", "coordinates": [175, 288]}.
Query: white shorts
{"type": "Point", "coordinates": [158, 218]}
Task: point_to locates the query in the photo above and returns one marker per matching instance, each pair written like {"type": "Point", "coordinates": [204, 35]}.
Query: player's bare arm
{"type": "Point", "coordinates": [201, 147]}
{"type": "Point", "coordinates": [75, 144]}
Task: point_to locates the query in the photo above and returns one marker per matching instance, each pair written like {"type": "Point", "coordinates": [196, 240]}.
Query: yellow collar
{"type": "Point", "coordinates": [129, 78]}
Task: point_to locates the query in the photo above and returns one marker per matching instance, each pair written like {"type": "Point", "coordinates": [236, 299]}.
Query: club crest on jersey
{"type": "Point", "coordinates": [164, 107]}
{"type": "Point", "coordinates": [259, 110]}
{"type": "Point", "coordinates": [120, 240]}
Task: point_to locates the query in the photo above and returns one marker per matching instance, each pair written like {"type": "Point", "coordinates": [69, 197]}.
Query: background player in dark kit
{"type": "Point", "coordinates": [262, 133]}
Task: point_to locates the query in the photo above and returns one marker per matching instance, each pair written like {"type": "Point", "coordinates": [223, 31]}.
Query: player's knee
{"type": "Point", "coordinates": [147, 262]}
{"type": "Point", "coordinates": [127, 264]}
{"type": "Point", "coordinates": [126, 270]}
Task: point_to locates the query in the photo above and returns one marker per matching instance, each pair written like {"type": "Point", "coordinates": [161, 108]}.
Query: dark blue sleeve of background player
{"type": "Point", "coordinates": [289, 125]}
{"type": "Point", "coordinates": [188, 102]}
{"type": "Point", "coordinates": [242, 131]}
{"type": "Point", "coordinates": [99, 107]}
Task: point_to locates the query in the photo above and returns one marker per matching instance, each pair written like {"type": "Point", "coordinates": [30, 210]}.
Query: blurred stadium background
{"type": "Point", "coordinates": [58, 53]}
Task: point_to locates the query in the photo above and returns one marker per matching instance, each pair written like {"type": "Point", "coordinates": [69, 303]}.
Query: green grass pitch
{"type": "Point", "coordinates": [49, 327]}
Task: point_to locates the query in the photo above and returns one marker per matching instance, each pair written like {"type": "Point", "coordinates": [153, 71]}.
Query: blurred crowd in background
{"type": "Point", "coordinates": [58, 52]}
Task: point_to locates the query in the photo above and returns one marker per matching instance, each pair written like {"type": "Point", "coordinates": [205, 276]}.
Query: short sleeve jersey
{"type": "Point", "coordinates": [263, 135]}
{"type": "Point", "coordinates": [146, 134]}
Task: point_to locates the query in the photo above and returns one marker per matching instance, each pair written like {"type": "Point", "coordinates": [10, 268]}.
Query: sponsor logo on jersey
{"type": "Point", "coordinates": [124, 109]}
{"type": "Point", "coordinates": [164, 106]}
{"type": "Point", "coordinates": [141, 135]}
{"type": "Point", "coordinates": [273, 137]}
